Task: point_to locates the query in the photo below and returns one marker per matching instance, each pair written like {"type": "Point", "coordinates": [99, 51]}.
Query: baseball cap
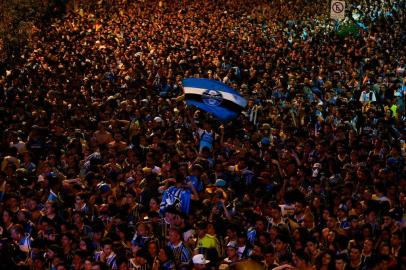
{"type": "Point", "coordinates": [130, 180]}
{"type": "Point", "coordinates": [200, 259]}
{"type": "Point", "coordinates": [232, 244]}
{"type": "Point", "coordinates": [220, 183]}
{"type": "Point", "coordinates": [343, 207]}
{"type": "Point", "coordinates": [146, 170]}
{"type": "Point", "coordinates": [266, 126]}
{"type": "Point", "coordinates": [103, 187]}
{"type": "Point", "coordinates": [158, 119]}
{"type": "Point", "coordinates": [317, 166]}
{"type": "Point", "coordinates": [392, 161]}
{"type": "Point", "coordinates": [188, 235]}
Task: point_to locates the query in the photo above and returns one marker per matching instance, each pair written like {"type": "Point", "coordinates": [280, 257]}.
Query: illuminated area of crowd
{"type": "Point", "coordinates": [104, 166]}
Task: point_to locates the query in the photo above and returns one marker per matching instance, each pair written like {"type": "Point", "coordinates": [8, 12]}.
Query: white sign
{"type": "Point", "coordinates": [337, 11]}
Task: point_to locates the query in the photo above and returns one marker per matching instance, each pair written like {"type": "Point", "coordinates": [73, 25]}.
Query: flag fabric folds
{"type": "Point", "coordinates": [177, 197]}
{"type": "Point", "coordinates": [214, 97]}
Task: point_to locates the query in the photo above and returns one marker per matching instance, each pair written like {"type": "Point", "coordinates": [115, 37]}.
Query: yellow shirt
{"type": "Point", "coordinates": [394, 109]}
{"type": "Point", "coordinates": [209, 241]}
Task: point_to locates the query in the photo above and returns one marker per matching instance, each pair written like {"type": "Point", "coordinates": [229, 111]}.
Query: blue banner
{"type": "Point", "coordinates": [214, 97]}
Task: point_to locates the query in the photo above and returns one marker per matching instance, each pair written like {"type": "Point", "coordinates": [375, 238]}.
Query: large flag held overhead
{"type": "Point", "coordinates": [214, 97]}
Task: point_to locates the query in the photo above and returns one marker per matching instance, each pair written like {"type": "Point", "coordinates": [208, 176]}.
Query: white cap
{"type": "Point", "coordinates": [200, 259]}
{"type": "Point", "coordinates": [158, 119]}
{"type": "Point", "coordinates": [317, 165]}
{"type": "Point", "coordinates": [188, 234]}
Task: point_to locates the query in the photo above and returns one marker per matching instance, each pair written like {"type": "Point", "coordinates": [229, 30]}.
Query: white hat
{"type": "Point", "coordinates": [317, 166]}
{"type": "Point", "coordinates": [188, 234]}
{"type": "Point", "coordinates": [200, 259]}
{"type": "Point", "coordinates": [158, 119]}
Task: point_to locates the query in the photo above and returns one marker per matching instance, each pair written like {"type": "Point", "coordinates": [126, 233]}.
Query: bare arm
{"type": "Point", "coordinates": [191, 120]}
{"type": "Point", "coordinates": [222, 135]}
{"type": "Point", "coordinates": [226, 213]}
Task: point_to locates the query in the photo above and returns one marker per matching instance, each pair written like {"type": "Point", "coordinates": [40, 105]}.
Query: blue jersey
{"type": "Point", "coordinates": [197, 183]}
{"type": "Point", "coordinates": [206, 139]}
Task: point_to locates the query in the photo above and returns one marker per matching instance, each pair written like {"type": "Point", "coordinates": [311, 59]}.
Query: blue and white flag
{"type": "Point", "coordinates": [178, 197]}
{"type": "Point", "coordinates": [214, 97]}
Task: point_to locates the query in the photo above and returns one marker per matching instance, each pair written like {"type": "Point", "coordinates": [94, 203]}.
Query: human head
{"type": "Point", "coordinates": [355, 253]}
{"type": "Point", "coordinates": [301, 259]}
{"type": "Point", "coordinates": [199, 261]}
{"type": "Point", "coordinates": [107, 245]}
{"type": "Point", "coordinates": [340, 262]}
{"type": "Point", "coordinates": [174, 236]}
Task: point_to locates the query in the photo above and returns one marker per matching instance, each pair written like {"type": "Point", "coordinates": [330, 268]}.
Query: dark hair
{"type": "Point", "coordinates": [283, 238]}
{"type": "Point", "coordinates": [62, 264]}
{"type": "Point", "coordinates": [152, 241]}
{"type": "Point", "coordinates": [101, 265]}
{"type": "Point", "coordinates": [120, 260]}
{"type": "Point", "coordinates": [82, 195]}
{"type": "Point", "coordinates": [269, 249]}
{"type": "Point", "coordinates": [169, 253]}
{"type": "Point", "coordinates": [69, 235]}
{"type": "Point", "coordinates": [107, 241]}
{"type": "Point", "coordinates": [356, 246]}
{"type": "Point", "coordinates": [302, 255]}
{"type": "Point", "coordinates": [313, 240]}
{"type": "Point", "coordinates": [81, 253]}
{"type": "Point", "coordinates": [341, 256]}
{"type": "Point", "coordinates": [88, 242]}
{"type": "Point", "coordinates": [176, 230]}
{"type": "Point", "coordinates": [18, 229]}
{"type": "Point", "coordinates": [319, 261]}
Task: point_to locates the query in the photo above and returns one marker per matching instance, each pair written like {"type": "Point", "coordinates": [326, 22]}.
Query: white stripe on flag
{"type": "Point", "coordinates": [231, 97]}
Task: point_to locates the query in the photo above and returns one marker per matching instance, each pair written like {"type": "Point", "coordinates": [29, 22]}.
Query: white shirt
{"type": "Point", "coordinates": [367, 96]}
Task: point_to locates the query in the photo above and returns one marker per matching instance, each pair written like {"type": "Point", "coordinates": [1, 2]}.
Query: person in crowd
{"type": "Point", "coordinates": [107, 255]}
{"type": "Point", "coordinates": [180, 251]}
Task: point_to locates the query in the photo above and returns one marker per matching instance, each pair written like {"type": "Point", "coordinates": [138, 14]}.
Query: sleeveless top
{"type": "Point", "coordinates": [206, 140]}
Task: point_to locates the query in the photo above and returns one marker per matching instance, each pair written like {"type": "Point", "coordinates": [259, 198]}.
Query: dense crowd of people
{"type": "Point", "coordinates": [103, 166]}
